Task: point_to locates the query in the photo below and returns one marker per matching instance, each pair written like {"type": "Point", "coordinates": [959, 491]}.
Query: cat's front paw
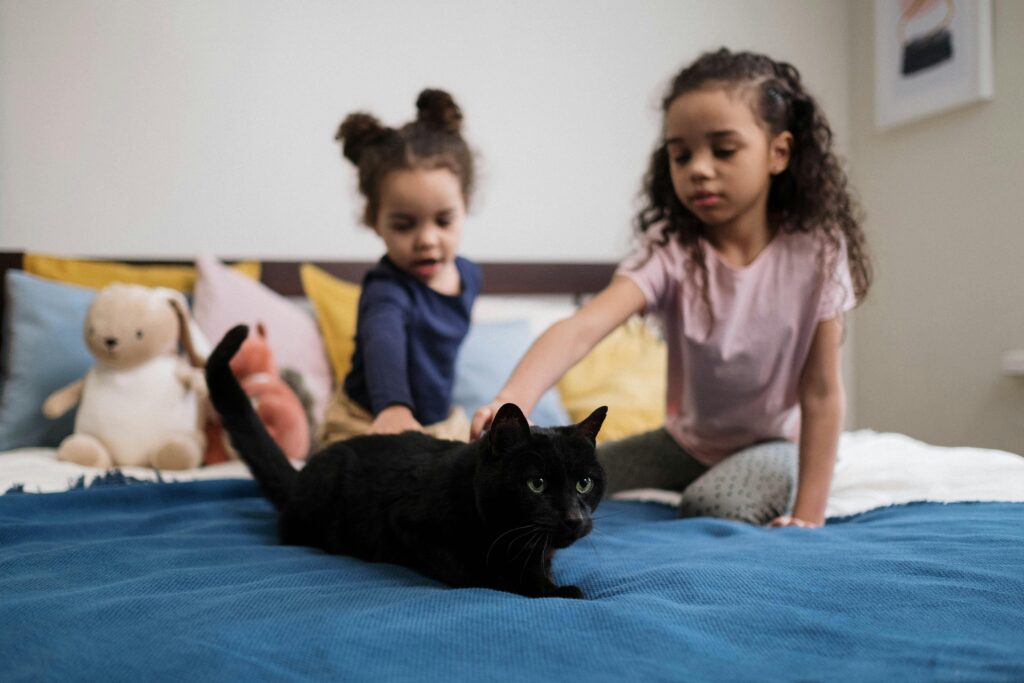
{"type": "Point", "coordinates": [569, 591]}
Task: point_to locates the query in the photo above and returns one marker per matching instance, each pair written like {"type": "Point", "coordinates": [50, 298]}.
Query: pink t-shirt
{"type": "Point", "coordinates": [739, 385]}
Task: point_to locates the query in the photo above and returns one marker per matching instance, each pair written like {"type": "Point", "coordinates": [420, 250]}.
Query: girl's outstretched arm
{"type": "Point", "coordinates": [822, 406]}
{"type": "Point", "coordinates": [561, 346]}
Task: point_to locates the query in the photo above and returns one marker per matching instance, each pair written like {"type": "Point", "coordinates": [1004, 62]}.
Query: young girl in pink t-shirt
{"type": "Point", "coordinates": [751, 254]}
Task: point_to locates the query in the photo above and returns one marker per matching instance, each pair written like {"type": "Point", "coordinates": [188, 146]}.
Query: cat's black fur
{"type": "Point", "coordinates": [465, 514]}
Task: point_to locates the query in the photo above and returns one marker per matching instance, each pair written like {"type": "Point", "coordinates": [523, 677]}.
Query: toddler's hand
{"type": "Point", "coordinates": [793, 521]}
{"type": "Point", "coordinates": [395, 419]}
{"type": "Point", "coordinates": [482, 418]}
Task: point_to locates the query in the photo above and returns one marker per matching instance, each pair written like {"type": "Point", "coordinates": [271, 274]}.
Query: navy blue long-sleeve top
{"type": "Point", "coordinates": [407, 339]}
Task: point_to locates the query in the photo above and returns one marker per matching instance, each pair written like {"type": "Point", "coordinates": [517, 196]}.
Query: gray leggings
{"type": "Point", "coordinates": [755, 485]}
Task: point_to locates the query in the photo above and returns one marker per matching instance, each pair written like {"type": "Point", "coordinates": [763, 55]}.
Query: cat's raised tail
{"type": "Point", "coordinates": [258, 450]}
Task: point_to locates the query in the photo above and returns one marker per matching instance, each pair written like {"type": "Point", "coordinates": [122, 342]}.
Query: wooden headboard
{"type": "Point", "coordinates": [573, 279]}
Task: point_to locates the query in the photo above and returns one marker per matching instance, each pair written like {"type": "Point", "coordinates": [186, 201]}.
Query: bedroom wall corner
{"type": "Point", "coordinates": [942, 197]}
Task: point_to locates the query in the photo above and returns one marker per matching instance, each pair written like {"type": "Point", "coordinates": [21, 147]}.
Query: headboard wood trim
{"type": "Point", "coordinates": [557, 278]}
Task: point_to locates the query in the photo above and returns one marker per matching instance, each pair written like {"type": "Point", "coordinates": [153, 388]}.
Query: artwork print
{"type": "Point", "coordinates": [930, 56]}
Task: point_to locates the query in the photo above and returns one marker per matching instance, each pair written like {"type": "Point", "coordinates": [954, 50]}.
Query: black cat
{"type": "Point", "coordinates": [489, 513]}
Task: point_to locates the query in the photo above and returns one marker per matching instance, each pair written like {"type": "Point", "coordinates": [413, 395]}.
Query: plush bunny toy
{"type": "Point", "coordinates": [141, 403]}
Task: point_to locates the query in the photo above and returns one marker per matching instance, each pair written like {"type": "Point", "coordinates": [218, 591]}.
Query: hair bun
{"type": "Point", "coordinates": [438, 110]}
{"type": "Point", "coordinates": [358, 132]}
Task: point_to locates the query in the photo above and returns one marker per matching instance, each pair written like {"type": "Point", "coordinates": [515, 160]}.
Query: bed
{"type": "Point", "coordinates": [141, 575]}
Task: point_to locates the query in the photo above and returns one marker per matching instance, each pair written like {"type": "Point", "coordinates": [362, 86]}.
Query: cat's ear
{"type": "Point", "coordinates": [508, 427]}
{"type": "Point", "coordinates": [589, 428]}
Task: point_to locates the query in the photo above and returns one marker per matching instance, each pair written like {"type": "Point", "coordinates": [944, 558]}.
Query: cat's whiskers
{"type": "Point", "coordinates": [544, 550]}
{"type": "Point", "coordinates": [593, 545]}
{"type": "Point", "coordinates": [528, 527]}
{"type": "Point", "coordinates": [541, 535]}
{"type": "Point", "coordinates": [606, 515]}
{"type": "Point", "coordinates": [529, 540]}
{"type": "Point", "coordinates": [518, 528]}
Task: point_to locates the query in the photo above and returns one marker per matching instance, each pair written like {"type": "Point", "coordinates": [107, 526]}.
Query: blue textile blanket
{"type": "Point", "coordinates": [187, 582]}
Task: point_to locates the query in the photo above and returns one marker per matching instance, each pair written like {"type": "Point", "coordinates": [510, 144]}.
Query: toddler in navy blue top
{"type": "Point", "coordinates": [415, 305]}
{"type": "Point", "coordinates": [407, 338]}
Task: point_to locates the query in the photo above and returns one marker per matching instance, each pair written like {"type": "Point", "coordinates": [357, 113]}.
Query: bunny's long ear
{"type": "Point", "coordinates": [188, 331]}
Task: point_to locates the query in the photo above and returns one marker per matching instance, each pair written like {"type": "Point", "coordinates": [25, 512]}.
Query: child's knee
{"type": "Point", "coordinates": [755, 485]}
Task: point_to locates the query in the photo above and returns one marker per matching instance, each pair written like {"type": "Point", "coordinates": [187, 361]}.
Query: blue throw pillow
{"type": "Point", "coordinates": [488, 355]}
{"type": "Point", "coordinates": [43, 350]}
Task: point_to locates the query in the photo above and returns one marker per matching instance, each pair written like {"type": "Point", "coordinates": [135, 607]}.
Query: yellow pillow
{"type": "Point", "coordinates": [627, 372]}
{"type": "Point", "coordinates": [97, 274]}
{"type": "Point", "coordinates": [336, 303]}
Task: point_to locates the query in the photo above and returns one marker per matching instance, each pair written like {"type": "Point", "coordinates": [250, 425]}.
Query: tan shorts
{"type": "Point", "coordinates": [345, 418]}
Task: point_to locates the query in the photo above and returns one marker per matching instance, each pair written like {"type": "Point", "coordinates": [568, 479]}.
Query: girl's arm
{"type": "Point", "coordinates": [385, 345]}
{"type": "Point", "coordinates": [561, 346]}
{"type": "Point", "coordinates": [822, 405]}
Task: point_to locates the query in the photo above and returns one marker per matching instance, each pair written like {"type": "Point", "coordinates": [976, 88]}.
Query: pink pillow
{"type": "Point", "coordinates": [224, 298]}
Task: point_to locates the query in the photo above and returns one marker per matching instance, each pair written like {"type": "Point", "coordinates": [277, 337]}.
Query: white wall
{"type": "Point", "coordinates": [165, 127]}
{"type": "Point", "coordinates": [943, 198]}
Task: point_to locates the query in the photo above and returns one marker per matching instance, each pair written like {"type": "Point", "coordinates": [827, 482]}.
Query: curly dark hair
{"type": "Point", "coordinates": [810, 196]}
{"type": "Point", "coordinates": [433, 140]}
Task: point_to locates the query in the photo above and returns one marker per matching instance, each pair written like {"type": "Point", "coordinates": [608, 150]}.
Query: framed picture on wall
{"type": "Point", "coordinates": [930, 56]}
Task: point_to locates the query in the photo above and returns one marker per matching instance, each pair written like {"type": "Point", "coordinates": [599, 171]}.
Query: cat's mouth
{"type": "Point", "coordinates": [568, 534]}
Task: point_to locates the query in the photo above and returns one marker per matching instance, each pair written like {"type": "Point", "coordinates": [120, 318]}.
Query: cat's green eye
{"type": "Point", "coordinates": [537, 484]}
{"type": "Point", "coordinates": [584, 485]}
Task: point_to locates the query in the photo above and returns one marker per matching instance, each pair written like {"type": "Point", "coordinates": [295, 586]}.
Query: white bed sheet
{"type": "Point", "coordinates": [39, 471]}
{"type": "Point", "coordinates": [873, 470]}
{"type": "Point", "coordinates": [881, 469]}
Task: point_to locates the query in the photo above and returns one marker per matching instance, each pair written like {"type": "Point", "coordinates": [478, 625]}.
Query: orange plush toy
{"type": "Point", "coordinates": [275, 402]}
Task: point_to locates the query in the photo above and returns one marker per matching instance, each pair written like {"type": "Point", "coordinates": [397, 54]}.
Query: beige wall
{"type": "Point", "coordinates": [945, 204]}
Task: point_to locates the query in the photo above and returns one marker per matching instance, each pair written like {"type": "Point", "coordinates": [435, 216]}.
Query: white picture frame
{"type": "Point", "coordinates": [930, 56]}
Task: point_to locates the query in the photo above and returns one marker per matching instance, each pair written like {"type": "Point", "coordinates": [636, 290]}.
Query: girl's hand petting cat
{"type": "Point", "coordinates": [395, 419]}
{"type": "Point", "coordinates": [482, 418]}
{"type": "Point", "coordinates": [785, 520]}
